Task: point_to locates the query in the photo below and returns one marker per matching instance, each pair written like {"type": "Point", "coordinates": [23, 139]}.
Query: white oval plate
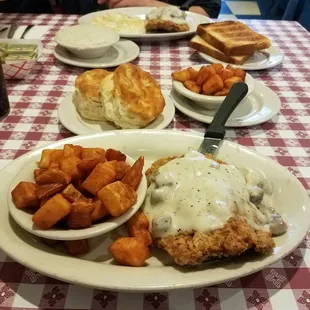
{"type": "Point", "coordinates": [262, 105]}
{"type": "Point", "coordinates": [72, 120]}
{"type": "Point", "coordinates": [270, 58]}
{"type": "Point", "coordinates": [192, 19]}
{"type": "Point", "coordinates": [24, 219]}
{"type": "Point", "coordinates": [208, 102]}
{"type": "Point", "coordinates": [121, 52]}
{"type": "Point", "coordinates": [96, 269]}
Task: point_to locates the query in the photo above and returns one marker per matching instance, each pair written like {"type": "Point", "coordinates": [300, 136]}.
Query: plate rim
{"type": "Point", "coordinates": [165, 123]}
{"type": "Point", "coordinates": [232, 124]}
{"type": "Point", "coordinates": [211, 59]}
{"type": "Point", "coordinates": [183, 284]}
{"type": "Point", "coordinates": [152, 36]}
{"type": "Point", "coordinates": [88, 64]}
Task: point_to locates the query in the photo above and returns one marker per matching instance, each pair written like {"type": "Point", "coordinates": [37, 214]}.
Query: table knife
{"type": "Point", "coordinates": [12, 31]}
{"type": "Point", "coordinates": [216, 130]}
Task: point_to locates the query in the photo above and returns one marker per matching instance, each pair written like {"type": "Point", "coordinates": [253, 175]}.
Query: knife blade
{"type": "Point", "coordinates": [216, 131]}
{"type": "Point", "coordinates": [12, 31]}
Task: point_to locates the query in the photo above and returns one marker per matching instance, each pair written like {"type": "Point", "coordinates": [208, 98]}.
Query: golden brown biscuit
{"type": "Point", "coordinates": [87, 95]}
{"type": "Point", "coordinates": [131, 97]}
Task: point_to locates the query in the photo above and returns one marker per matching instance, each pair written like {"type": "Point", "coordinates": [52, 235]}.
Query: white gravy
{"type": "Point", "coordinates": [168, 13]}
{"type": "Point", "coordinates": [195, 193]}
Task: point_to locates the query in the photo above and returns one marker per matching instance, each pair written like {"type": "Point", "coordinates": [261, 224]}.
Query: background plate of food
{"type": "Point", "coordinates": [97, 267]}
{"type": "Point", "coordinates": [148, 23]}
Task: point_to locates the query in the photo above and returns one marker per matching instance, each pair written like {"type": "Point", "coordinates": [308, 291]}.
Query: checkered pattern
{"type": "Point", "coordinates": [33, 122]}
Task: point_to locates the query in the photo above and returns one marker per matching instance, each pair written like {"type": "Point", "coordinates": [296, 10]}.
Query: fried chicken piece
{"type": "Point", "coordinates": [233, 239]}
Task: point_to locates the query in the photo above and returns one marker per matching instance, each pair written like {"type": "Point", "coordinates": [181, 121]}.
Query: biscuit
{"type": "Point", "coordinates": [87, 98]}
{"type": "Point", "coordinates": [131, 97]}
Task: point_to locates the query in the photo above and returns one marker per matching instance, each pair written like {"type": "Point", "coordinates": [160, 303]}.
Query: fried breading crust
{"type": "Point", "coordinates": [155, 25]}
{"type": "Point", "coordinates": [232, 240]}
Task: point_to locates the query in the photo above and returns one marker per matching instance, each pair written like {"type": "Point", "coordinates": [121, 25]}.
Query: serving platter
{"type": "Point", "coordinates": [192, 19]}
{"type": "Point", "coordinates": [96, 269]}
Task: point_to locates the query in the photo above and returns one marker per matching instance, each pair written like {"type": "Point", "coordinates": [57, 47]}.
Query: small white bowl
{"type": "Point", "coordinates": [208, 102]}
{"type": "Point", "coordinates": [24, 218]}
{"type": "Point", "coordinates": [87, 41]}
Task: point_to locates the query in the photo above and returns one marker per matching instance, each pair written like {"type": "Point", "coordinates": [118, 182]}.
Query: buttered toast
{"type": "Point", "coordinates": [233, 38]}
{"type": "Point", "coordinates": [202, 46]}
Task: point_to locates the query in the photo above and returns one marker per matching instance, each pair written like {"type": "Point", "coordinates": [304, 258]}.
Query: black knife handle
{"type": "Point", "coordinates": [216, 129]}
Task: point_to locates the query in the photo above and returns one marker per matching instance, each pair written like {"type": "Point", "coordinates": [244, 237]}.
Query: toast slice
{"type": "Point", "coordinates": [233, 38]}
{"type": "Point", "coordinates": [202, 46]}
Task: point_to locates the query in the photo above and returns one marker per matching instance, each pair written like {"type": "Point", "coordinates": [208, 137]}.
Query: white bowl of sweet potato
{"type": "Point", "coordinates": [208, 85]}
{"type": "Point", "coordinates": [77, 193]}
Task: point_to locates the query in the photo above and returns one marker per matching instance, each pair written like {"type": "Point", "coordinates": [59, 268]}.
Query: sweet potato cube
{"type": "Point", "coordinates": [77, 247]}
{"type": "Point", "coordinates": [48, 190]}
{"type": "Point", "coordinates": [102, 175]}
{"type": "Point", "coordinates": [24, 195]}
{"type": "Point", "coordinates": [89, 163]}
{"type": "Point", "coordinates": [134, 175]}
{"type": "Point", "coordinates": [225, 74]}
{"type": "Point", "coordinates": [72, 150]}
{"type": "Point", "coordinates": [45, 158]}
{"type": "Point", "coordinates": [89, 152]}
{"type": "Point", "coordinates": [43, 201]}
{"type": "Point", "coordinates": [112, 154]}
{"type": "Point", "coordinates": [240, 73]}
{"type": "Point", "coordinates": [217, 67]}
{"type": "Point", "coordinates": [138, 220]}
{"type": "Point", "coordinates": [130, 251]}
{"type": "Point", "coordinates": [80, 215]}
{"type": "Point", "coordinates": [71, 193]}
{"type": "Point", "coordinates": [53, 176]}
{"type": "Point", "coordinates": [212, 85]}
{"type": "Point", "coordinates": [100, 211]}
{"type": "Point", "coordinates": [117, 197]}
{"type": "Point", "coordinates": [121, 169]}
{"type": "Point", "coordinates": [69, 165]}
{"type": "Point", "coordinates": [51, 212]}
{"type": "Point", "coordinates": [141, 234]}
{"type": "Point", "coordinates": [56, 155]}
{"type": "Point", "coordinates": [37, 172]}
{"type": "Point", "coordinates": [231, 81]}
{"type": "Point", "coordinates": [54, 165]}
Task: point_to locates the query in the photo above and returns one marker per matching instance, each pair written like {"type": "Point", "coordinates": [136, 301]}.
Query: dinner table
{"type": "Point", "coordinates": [33, 123]}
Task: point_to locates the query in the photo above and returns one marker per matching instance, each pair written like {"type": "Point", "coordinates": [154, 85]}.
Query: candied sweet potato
{"type": "Point", "coordinates": [225, 74]}
{"type": "Point", "coordinates": [48, 190]}
{"type": "Point", "coordinates": [89, 163]}
{"type": "Point", "coordinates": [212, 85]}
{"type": "Point", "coordinates": [203, 75]}
{"type": "Point", "coordinates": [71, 193]}
{"type": "Point", "coordinates": [51, 212]}
{"type": "Point", "coordinates": [103, 174]}
{"type": "Point", "coordinates": [181, 76]}
{"type": "Point", "coordinates": [138, 220]}
{"type": "Point", "coordinates": [24, 195]}
{"type": "Point", "coordinates": [77, 247]}
{"type": "Point", "coordinates": [193, 74]}
{"type": "Point", "coordinates": [230, 82]}
{"type": "Point", "coordinates": [89, 152]}
{"type": "Point", "coordinates": [130, 251]}
{"type": "Point", "coordinates": [240, 73]}
{"type": "Point", "coordinates": [112, 154]}
{"type": "Point", "coordinates": [117, 197]}
{"type": "Point", "coordinates": [141, 234]}
{"type": "Point", "coordinates": [217, 67]}
{"type": "Point", "coordinates": [134, 174]}
{"type": "Point", "coordinates": [80, 215]}
{"type": "Point", "coordinates": [192, 86]}
{"type": "Point", "coordinates": [121, 169]}
{"type": "Point", "coordinates": [69, 165]}
{"type": "Point", "coordinates": [222, 92]}
{"type": "Point", "coordinates": [53, 176]}
{"type": "Point", "coordinates": [100, 211]}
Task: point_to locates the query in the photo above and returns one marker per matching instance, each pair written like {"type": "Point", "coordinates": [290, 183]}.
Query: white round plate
{"type": "Point", "coordinates": [192, 19]}
{"type": "Point", "coordinates": [121, 52]}
{"type": "Point", "coordinates": [208, 102]}
{"type": "Point", "coordinates": [72, 120]}
{"type": "Point", "coordinates": [262, 105]}
{"type": "Point", "coordinates": [265, 59]}
{"type": "Point", "coordinates": [96, 269]}
{"type": "Point", "coordinates": [24, 219]}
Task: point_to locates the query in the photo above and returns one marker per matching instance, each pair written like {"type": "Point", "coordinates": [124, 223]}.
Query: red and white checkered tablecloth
{"type": "Point", "coordinates": [33, 122]}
